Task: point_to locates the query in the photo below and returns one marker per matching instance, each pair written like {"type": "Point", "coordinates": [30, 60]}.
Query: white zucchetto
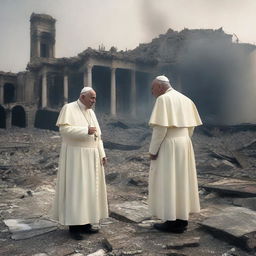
{"type": "Point", "coordinates": [86, 89]}
{"type": "Point", "coordinates": [162, 78]}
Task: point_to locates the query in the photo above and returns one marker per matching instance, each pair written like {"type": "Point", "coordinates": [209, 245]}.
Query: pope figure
{"type": "Point", "coordinates": [81, 198]}
{"type": "Point", "coordinates": [173, 188]}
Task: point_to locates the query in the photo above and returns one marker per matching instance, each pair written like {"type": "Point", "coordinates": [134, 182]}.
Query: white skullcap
{"type": "Point", "coordinates": [86, 89]}
{"type": "Point", "coordinates": [162, 78]}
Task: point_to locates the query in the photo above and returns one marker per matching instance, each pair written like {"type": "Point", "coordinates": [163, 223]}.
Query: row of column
{"type": "Point", "coordinates": [37, 50]}
{"type": "Point", "coordinates": [88, 82]}
{"type": "Point", "coordinates": [1, 91]}
{"type": "Point", "coordinates": [44, 89]}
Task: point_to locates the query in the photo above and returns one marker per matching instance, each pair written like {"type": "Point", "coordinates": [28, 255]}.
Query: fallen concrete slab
{"type": "Point", "coordinates": [237, 224]}
{"type": "Point", "coordinates": [27, 228]}
{"type": "Point", "coordinates": [246, 202]}
{"type": "Point", "coordinates": [242, 188]}
{"type": "Point", "coordinates": [134, 211]}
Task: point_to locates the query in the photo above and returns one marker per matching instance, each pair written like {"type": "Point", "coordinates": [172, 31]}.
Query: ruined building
{"type": "Point", "coordinates": [204, 64]}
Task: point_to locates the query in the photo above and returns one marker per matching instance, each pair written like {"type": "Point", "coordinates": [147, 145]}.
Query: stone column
{"type": "Point", "coordinates": [88, 76]}
{"type": "Point", "coordinates": [53, 50]}
{"type": "Point", "coordinates": [38, 47]}
{"type": "Point", "coordinates": [8, 120]}
{"type": "Point", "coordinates": [179, 86]}
{"type": "Point", "coordinates": [65, 89]}
{"type": "Point", "coordinates": [113, 92]}
{"type": "Point", "coordinates": [85, 78]}
{"type": "Point", "coordinates": [44, 89]}
{"type": "Point", "coordinates": [1, 90]}
{"type": "Point", "coordinates": [133, 93]}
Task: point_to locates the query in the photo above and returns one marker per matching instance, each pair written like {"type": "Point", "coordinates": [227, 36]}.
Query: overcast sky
{"type": "Point", "coordinates": [121, 23]}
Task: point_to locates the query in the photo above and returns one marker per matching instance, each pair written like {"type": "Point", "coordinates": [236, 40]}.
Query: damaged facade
{"type": "Point", "coordinates": [197, 62]}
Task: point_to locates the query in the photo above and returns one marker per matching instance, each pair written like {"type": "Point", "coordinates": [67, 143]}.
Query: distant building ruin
{"type": "Point", "coordinates": [196, 61]}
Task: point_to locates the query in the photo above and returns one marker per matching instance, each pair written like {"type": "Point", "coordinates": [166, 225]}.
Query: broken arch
{"type": "Point", "coordinates": [18, 116]}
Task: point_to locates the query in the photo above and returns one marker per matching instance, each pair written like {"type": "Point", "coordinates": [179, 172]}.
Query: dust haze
{"type": "Point", "coordinates": [124, 24]}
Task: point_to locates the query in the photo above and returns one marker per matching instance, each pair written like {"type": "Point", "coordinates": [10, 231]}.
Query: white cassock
{"type": "Point", "coordinates": [173, 188]}
{"type": "Point", "coordinates": [81, 196]}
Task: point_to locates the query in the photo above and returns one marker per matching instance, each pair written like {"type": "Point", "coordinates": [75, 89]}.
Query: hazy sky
{"type": "Point", "coordinates": [121, 23]}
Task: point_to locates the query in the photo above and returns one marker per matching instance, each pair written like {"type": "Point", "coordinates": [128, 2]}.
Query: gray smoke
{"type": "Point", "coordinates": [154, 18]}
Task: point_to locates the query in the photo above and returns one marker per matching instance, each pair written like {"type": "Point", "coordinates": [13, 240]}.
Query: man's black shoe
{"type": "Point", "coordinates": [177, 230]}
{"type": "Point", "coordinates": [75, 233]}
{"type": "Point", "coordinates": [181, 223]}
{"type": "Point", "coordinates": [171, 226]}
{"type": "Point", "coordinates": [88, 229]}
{"type": "Point", "coordinates": [165, 227]}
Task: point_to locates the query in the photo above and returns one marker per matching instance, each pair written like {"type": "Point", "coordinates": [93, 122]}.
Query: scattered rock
{"type": "Point", "coordinates": [135, 181]}
{"type": "Point", "coordinates": [40, 254]}
{"type": "Point", "coordinates": [148, 223]}
{"type": "Point", "coordinates": [132, 252]}
{"type": "Point", "coordinates": [28, 193]}
{"type": "Point", "coordinates": [186, 242]}
{"type": "Point", "coordinates": [112, 145]}
{"type": "Point", "coordinates": [211, 195]}
{"type": "Point", "coordinates": [173, 253]}
{"type": "Point", "coordinates": [119, 125]}
{"type": "Point", "coordinates": [237, 224]}
{"type": "Point", "coordinates": [134, 211]}
{"type": "Point", "coordinates": [226, 165]}
{"type": "Point", "coordinates": [231, 252]}
{"type": "Point", "coordinates": [97, 253]}
{"type": "Point", "coordinates": [111, 177]}
{"type": "Point", "coordinates": [107, 245]}
{"type": "Point", "coordinates": [136, 158]}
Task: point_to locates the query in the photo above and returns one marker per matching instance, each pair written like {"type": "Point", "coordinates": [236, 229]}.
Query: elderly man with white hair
{"type": "Point", "coordinates": [173, 188]}
{"type": "Point", "coordinates": [81, 198]}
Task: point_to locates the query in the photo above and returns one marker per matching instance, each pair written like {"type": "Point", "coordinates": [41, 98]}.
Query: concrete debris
{"type": "Point", "coordinates": [246, 202]}
{"type": "Point", "coordinates": [186, 242]}
{"type": "Point", "coordinates": [231, 252]}
{"type": "Point", "coordinates": [111, 177]}
{"type": "Point", "coordinates": [148, 223]}
{"type": "Point", "coordinates": [136, 181]}
{"type": "Point", "coordinates": [127, 177]}
{"type": "Point", "coordinates": [28, 193]}
{"type": "Point", "coordinates": [236, 224]}
{"type": "Point", "coordinates": [132, 252]}
{"type": "Point", "coordinates": [134, 211]}
{"type": "Point", "coordinates": [118, 146]}
{"type": "Point", "coordinates": [242, 188]}
{"type": "Point", "coordinates": [107, 245]}
{"type": "Point", "coordinates": [173, 253]}
{"type": "Point", "coordinates": [97, 253]}
{"type": "Point", "coordinates": [40, 254]}
{"type": "Point", "coordinates": [211, 195]}
{"type": "Point", "coordinates": [26, 228]}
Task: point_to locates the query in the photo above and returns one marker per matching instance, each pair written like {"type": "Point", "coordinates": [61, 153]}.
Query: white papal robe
{"type": "Point", "coordinates": [81, 196]}
{"type": "Point", "coordinates": [173, 188]}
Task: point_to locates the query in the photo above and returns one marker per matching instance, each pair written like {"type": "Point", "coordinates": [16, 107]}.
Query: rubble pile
{"type": "Point", "coordinates": [227, 184]}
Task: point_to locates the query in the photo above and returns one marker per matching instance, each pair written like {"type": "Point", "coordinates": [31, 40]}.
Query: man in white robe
{"type": "Point", "coordinates": [81, 198]}
{"type": "Point", "coordinates": [173, 188]}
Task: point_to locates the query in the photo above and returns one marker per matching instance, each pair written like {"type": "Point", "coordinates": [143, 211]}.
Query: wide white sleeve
{"type": "Point", "coordinates": [75, 132]}
{"type": "Point", "coordinates": [191, 131]}
{"type": "Point", "coordinates": [158, 135]}
{"type": "Point", "coordinates": [101, 149]}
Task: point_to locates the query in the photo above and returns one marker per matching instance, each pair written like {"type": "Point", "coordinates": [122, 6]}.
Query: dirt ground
{"type": "Point", "coordinates": [29, 164]}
